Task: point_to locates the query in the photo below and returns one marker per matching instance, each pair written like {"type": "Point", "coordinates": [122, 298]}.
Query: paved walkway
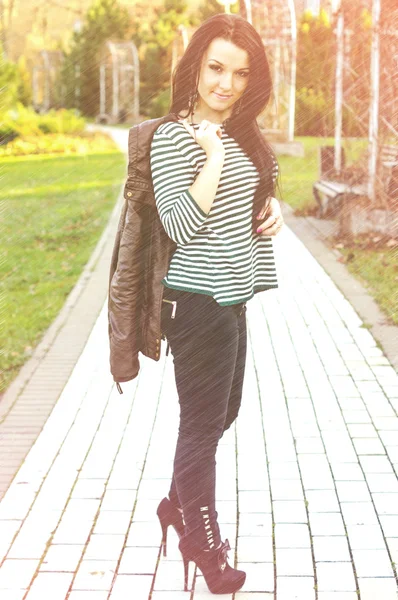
{"type": "Point", "coordinates": [307, 482]}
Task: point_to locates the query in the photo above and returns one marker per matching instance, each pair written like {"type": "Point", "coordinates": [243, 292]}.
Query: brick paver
{"type": "Point", "coordinates": [307, 482]}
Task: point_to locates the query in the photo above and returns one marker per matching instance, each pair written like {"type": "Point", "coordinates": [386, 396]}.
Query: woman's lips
{"type": "Point", "coordinates": [222, 97]}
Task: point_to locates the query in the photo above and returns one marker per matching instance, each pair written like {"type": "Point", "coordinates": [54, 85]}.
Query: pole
{"type": "Point", "coordinates": [248, 6]}
{"type": "Point", "coordinates": [227, 5]}
{"type": "Point", "coordinates": [102, 90]}
{"type": "Point", "coordinates": [374, 100]}
{"type": "Point", "coordinates": [46, 104]}
{"type": "Point", "coordinates": [293, 67]}
{"type": "Point", "coordinates": [77, 86]}
{"type": "Point", "coordinates": [35, 87]}
{"type": "Point", "coordinates": [338, 128]}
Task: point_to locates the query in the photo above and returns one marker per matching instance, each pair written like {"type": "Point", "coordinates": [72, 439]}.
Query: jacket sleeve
{"type": "Point", "coordinates": [125, 297]}
{"type": "Point", "coordinates": [172, 175]}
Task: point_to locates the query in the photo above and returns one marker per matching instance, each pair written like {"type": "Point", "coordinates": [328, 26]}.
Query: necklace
{"type": "Point", "coordinates": [218, 124]}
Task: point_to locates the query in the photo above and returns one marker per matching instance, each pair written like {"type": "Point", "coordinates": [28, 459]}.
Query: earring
{"type": "Point", "coordinates": [238, 106]}
{"type": "Point", "coordinates": [193, 98]}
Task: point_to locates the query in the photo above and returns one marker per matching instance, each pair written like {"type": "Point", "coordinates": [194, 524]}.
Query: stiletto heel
{"type": "Point", "coordinates": [186, 573]}
{"type": "Point", "coordinates": [164, 538]}
{"type": "Point", "coordinates": [169, 515]}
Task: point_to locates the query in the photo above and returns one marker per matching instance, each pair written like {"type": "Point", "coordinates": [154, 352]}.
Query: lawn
{"type": "Point", "coordinates": [376, 266]}
{"type": "Point", "coordinates": [54, 210]}
{"type": "Point", "coordinates": [372, 259]}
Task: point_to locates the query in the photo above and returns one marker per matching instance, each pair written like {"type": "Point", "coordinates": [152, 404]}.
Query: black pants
{"type": "Point", "coordinates": [208, 344]}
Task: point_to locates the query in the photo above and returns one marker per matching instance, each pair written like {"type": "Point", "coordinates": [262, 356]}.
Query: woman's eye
{"type": "Point", "coordinates": [217, 68]}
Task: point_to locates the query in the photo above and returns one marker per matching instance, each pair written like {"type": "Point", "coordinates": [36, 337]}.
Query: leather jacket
{"type": "Point", "coordinates": [141, 256]}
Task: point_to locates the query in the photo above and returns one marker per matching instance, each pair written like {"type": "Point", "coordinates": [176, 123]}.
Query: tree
{"type": "Point", "coordinates": [154, 38]}
{"type": "Point", "coordinates": [8, 85]}
{"type": "Point", "coordinates": [209, 8]}
{"type": "Point", "coordinates": [315, 53]}
{"type": "Point", "coordinates": [15, 85]}
{"type": "Point", "coordinates": [104, 21]}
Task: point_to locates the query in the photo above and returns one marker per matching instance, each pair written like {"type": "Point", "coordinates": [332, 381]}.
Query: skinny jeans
{"type": "Point", "coordinates": [208, 343]}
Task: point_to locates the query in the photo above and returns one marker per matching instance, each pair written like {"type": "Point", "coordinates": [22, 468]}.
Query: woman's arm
{"type": "Point", "coordinates": [208, 136]}
{"type": "Point", "coordinates": [173, 175]}
{"type": "Point", "coordinates": [204, 188]}
{"type": "Point", "coordinates": [183, 199]}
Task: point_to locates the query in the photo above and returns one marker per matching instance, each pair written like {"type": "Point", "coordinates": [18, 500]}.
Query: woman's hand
{"type": "Point", "coordinates": [274, 221]}
{"type": "Point", "coordinates": [208, 136]}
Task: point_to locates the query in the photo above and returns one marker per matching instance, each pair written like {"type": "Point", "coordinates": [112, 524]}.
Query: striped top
{"type": "Point", "coordinates": [217, 253]}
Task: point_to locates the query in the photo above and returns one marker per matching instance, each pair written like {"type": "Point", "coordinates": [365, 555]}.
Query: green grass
{"type": "Point", "coordinates": [377, 269]}
{"type": "Point", "coordinates": [54, 210]}
{"type": "Point", "coordinates": [375, 265]}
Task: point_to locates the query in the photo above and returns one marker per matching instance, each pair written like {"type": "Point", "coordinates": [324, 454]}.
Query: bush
{"type": "Point", "coordinates": [57, 143]}
{"type": "Point", "coordinates": [22, 121]}
{"type": "Point", "coordinates": [62, 121]}
{"type": "Point", "coordinates": [7, 132]}
{"type": "Point", "coordinates": [314, 114]}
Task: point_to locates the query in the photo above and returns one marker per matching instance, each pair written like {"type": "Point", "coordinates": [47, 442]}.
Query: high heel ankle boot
{"type": "Point", "coordinates": [219, 576]}
{"type": "Point", "coordinates": [169, 515]}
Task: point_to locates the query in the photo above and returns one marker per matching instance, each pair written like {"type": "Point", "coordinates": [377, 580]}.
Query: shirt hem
{"type": "Point", "coordinates": [196, 205]}
{"type": "Point", "coordinates": [257, 289]}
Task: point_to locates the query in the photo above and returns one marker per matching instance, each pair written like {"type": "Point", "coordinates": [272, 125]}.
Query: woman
{"type": "Point", "coordinates": [213, 179]}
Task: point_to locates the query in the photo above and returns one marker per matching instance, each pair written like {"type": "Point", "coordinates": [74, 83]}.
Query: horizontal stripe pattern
{"type": "Point", "coordinates": [217, 254]}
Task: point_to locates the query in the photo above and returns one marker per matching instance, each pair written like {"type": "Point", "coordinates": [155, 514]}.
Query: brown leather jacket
{"type": "Point", "coordinates": [140, 259]}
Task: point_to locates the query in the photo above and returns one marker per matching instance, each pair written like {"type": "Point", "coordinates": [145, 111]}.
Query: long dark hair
{"type": "Point", "coordinates": [241, 125]}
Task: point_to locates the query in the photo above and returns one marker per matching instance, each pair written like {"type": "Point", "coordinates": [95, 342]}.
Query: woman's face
{"type": "Point", "coordinates": [224, 76]}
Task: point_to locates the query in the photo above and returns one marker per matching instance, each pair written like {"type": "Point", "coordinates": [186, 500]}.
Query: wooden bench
{"type": "Point", "coordinates": [328, 193]}
{"type": "Point", "coordinates": [389, 156]}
